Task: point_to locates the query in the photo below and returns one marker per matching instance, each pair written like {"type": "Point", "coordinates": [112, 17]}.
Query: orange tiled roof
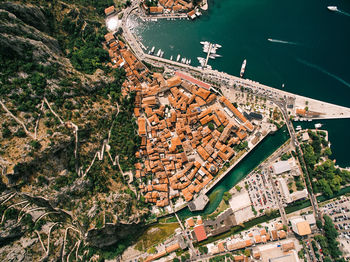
{"type": "Point", "coordinates": [142, 126]}
{"type": "Point", "coordinates": [109, 10]}
{"type": "Point", "coordinates": [200, 233]}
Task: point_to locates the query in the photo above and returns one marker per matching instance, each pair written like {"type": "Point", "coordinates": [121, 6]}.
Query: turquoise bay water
{"type": "Point", "coordinates": [311, 57]}
{"type": "Point", "coordinates": [315, 64]}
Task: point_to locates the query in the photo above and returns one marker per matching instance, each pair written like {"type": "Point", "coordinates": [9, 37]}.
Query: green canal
{"type": "Point", "coordinates": [252, 160]}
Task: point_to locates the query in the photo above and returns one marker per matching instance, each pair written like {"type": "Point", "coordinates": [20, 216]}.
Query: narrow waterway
{"type": "Point", "coordinates": [252, 160]}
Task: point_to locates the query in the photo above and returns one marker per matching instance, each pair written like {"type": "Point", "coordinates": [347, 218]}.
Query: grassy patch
{"type": "Point", "coordinates": [155, 234]}
{"type": "Point", "coordinates": [222, 207]}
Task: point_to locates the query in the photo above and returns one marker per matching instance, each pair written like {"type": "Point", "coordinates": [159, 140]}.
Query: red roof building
{"type": "Point", "coordinates": [201, 235]}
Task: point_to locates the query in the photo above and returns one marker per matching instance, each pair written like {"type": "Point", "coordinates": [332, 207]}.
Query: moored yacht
{"type": "Point", "coordinates": [243, 67]}
{"type": "Point", "coordinates": [178, 58]}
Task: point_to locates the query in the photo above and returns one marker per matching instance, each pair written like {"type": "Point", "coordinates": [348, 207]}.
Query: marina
{"type": "Point", "coordinates": [210, 50]}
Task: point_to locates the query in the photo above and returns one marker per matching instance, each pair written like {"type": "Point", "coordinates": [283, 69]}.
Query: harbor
{"type": "Point", "coordinates": [326, 110]}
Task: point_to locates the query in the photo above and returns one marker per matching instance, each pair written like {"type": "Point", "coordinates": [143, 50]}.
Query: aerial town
{"type": "Point", "coordinates": [114, 152]}
{"type": "Point", "coordinates": [189, 133]}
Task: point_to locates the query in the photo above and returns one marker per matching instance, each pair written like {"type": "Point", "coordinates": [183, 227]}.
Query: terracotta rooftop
{"type": "Point", "coordinates": [200, 233]}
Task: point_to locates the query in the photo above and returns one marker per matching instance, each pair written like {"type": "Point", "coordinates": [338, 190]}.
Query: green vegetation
{"type": "Point", "coordinates": [328, 242]}
{"type": "Point", "coordinates": [241, 146]}
{"type": "Point", "coordinates": [221, 258]}
{"type": "Point", "coordinates": [226, 197]}
{"type": "Point", "coordinates": [150, 3]}
{"type": "Point", "coordinates": [325, 177]}
{"type": "Point", "coordinates": [203, 250]}
{"type": "Point", "coordinates": [211, 126]}
{"type": "Point", "coordinates": [154, 235]}
{"type": "Point", "coordinates": [124, 141]}
{"type": "Point", "coordinates": [286, 156]}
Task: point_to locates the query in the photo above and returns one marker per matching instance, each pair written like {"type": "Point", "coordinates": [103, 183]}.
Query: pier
{"type": "Point", "coordinates": [207, 59]}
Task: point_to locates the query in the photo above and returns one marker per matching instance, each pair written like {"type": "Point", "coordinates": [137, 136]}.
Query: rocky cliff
{"type": "Point", "coordinates": [59, 106]}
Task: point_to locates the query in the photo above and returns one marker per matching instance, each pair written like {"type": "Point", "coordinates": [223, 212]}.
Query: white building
{"type": "Point", "coordinates": [291, 197]}
{"type": "Point", "coordinates": [281, 167]}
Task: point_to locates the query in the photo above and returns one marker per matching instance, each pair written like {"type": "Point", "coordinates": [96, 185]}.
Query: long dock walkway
{"type": "Point", "coordinates": [208, 55]}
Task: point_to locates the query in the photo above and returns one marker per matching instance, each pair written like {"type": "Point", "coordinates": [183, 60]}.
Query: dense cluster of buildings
{"type": "Point", "coordinates": [186, 137]}
{"type": "Point", "coordinates": [187, 133]}
{"type": "Point", "coordinates": [168, 6]}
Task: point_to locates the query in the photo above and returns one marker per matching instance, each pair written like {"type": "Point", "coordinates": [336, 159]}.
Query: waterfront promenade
{"type": "Point", "coordinates": [325, 110]}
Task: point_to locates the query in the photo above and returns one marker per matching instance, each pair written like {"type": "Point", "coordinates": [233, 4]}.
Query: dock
{"type": "Point", "coordinates": [207, 59]}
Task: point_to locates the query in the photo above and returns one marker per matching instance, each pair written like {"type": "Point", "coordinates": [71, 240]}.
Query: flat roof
{"type": "Point", "coordinates": [281, 167]}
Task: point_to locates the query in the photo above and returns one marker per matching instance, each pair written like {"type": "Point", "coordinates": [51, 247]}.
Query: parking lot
{"type": "Point", "coordinates": [260, 192]}
{"type": "Point", "coordinates": [340, 213]}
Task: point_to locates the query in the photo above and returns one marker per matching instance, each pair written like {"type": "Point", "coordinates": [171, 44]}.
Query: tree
{"type": "Point", "coordinates": [327, 151]}
{"type": "Point", "coordinates": [6, 133]}
{"type": "Point", "coordinates": [247, 252]}
{"type": "Point", "coordinates": [152, 250]}
{"type": "Point", "coordinates": [331, 235]}
{"type": "Point", "coordinates": [319, 224]}
{"type": "Point", "coordinates": [211, 126]}
{"type": "Point", "coordinates": [285, 156]}
{"type": "Point", "coordinates": [203, 250]}
{"type": "Point", "coordinates": [238, 188]}
{"type": "Point", "coordinates": [226, 197]}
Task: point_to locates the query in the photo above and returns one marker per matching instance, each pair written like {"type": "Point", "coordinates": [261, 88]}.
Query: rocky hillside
{"type": "Point", "coordinates": [67, 137]}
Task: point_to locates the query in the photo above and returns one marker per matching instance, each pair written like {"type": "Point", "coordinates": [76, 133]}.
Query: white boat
{"type": "Point", "coordinates": [282, 85]}
{"type": "Point", "coordinates": [318, 125]}
{"type": "Point", "coordinates": [152, 50]}
{"type": "Point", "coordinates": [178, 58]}
{"type": "Point", "coordinates": [243, 68]}
{"type": "Point", "coordinates": [189, 62]}
{"type": "Point", "coordinates": [212, 57]}
{"type": "Point", "coordinates": [171, 58]}
{"type": "Point", "coordinates": [332, 8]}
{"type": "Point", "coordinates": [218, 46]}
{"type": "Point", "coordinates": [216, 55]}
{"type": "Point", "coordinates": [204, 42]}
{"type": "Point", "coordinates": [298, 128]}
{"type": "Point", "coordinates": [159, 52]}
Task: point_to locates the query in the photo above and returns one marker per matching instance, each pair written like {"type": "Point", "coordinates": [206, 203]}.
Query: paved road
{"type": "Point", "coordinates": [272, 158]}
{"type": "Point", "coordinates": [283, 107]}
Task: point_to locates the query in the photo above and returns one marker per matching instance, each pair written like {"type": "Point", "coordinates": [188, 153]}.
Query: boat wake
{"type": "Point", "coordinates": [282, 42]}
{"type": "Point", "coordinates": [342, 12]}
{"type": "Point", "coordinates": [323, 71]}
